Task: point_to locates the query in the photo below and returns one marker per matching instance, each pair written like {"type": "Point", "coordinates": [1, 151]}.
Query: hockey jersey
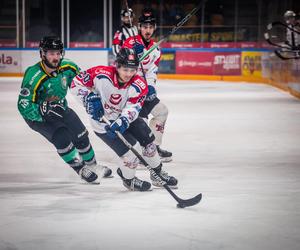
{"type": "Point", "coordinates": [121, 35]}
{"type": "Point", "coordinates": [150, 62]}
{"type": "Point", "coordinates": [39, 86]}
{"type": "Point", "coordinates": [117, 101]}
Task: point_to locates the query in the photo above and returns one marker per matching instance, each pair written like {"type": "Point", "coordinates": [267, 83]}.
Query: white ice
{"type": "Point", "coordinates": [237, 143]}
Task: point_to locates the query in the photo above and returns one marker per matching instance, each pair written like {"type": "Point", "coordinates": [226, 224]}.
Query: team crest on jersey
{"type": "Point", "coordinates": [25, 92]}
{"type": "Point", "coordinates": [64, 82]}
{"type": "Point", "coordinates": [115, 99]}
{"type": "Point", "coordinates": [131, 115]}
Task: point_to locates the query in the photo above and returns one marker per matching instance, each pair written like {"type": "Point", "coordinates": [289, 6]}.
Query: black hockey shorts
{"type": "Point", "coordinates": [73, 128]}
{"type": "Point", "coordinates": [147, 107]}
{"type": "Point", "coordinates": [137, 131]}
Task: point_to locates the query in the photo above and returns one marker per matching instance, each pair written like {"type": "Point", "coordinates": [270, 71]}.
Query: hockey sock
{"type": "Point", "coordinates": [86, 151]}
{"type": "Point", "coordinates": [151, 156]}
{"type": "Point", "coordinates": [157, 123]}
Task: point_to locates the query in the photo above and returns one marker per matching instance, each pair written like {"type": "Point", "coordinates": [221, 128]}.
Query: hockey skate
{"type": "Point", "coordinates": [170, 180]}
{"type": "Point", "coordinates": [87, 174]}
{"type": "Point", "coordinates": [134, 184]}
{"type": "Point", "coordinates": [164, 155]}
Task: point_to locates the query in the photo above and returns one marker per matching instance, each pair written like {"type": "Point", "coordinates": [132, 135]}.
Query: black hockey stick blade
{"type": "Point", "coordinates": [189, 202]}
{"type": "Point", "coordinates": [182, 203]}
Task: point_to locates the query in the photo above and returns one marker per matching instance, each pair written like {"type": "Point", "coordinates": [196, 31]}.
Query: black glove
{"type": "Point", "coordinates": [52, 111]}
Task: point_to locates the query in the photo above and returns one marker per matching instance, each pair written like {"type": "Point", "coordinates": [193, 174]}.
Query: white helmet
{"type": "Point", "coordinates": [289, 14]}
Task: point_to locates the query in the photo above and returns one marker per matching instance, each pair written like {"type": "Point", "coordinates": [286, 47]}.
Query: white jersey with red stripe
{"type": "Point", "coordinates": [117, 101]}
{"type": "Point", "coordinates": [150, 63]}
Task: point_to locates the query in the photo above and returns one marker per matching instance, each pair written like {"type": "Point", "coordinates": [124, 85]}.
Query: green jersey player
{"type": "Point", "coordinates": [43, 105]}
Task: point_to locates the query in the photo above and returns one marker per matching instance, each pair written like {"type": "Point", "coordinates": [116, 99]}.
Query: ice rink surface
{"type": "Point", "coordinates": [236, 143]}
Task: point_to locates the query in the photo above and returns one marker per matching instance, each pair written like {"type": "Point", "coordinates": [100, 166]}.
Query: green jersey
{"type": "Point", "coordinates": [39, 86]}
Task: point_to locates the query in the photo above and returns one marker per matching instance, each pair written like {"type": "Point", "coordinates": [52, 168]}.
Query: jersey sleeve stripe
{"type": "Point", "coordinates": [137, 88]}
{"type": "Point", "coordinates": [104, 77]}
{"type": "Point", "coordinates": [68, 66]}
{"type": "Point", "coordinates": [37, 86]}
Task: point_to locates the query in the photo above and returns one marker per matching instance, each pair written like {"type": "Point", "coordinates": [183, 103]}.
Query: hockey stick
{"type": "Point", "coordinates": [280, 45]}
{"type": "Point", "coordinates": [274, 36]}
{"type": "Point", "coordinates": [181, 202]}
{"type": "Point", "coordinates": [174, 29]}
{"type": "Point", "coordinates": [279, 25]}
{"type": "Point", "coordinates": [283, 54]}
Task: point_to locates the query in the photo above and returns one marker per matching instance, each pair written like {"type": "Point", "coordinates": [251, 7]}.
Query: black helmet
{"type": "Point", "coordinates": [147, 17]}
{"type": "Point", "coordinates": [127, 12]}
{"type": "Point", "coordinates": [51, 43]}
{"type": "Point", "coordinates": [127, 58]}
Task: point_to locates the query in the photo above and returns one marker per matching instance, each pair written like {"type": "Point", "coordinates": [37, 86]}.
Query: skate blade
{"type": "Point", "coordinates": [90, 183]}
{"type": "Point", "coordinates": [166, 159]}
{"type": "Point", "coordinates": [108, 177]}
{"type": "Point", "coordinates": [160, 186]}
{"type": "Point", "coordinates": [132, 190]}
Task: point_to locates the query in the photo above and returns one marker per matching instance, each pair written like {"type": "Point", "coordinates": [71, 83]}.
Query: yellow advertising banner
{"type": "Point", "coordinates": [251, 63]}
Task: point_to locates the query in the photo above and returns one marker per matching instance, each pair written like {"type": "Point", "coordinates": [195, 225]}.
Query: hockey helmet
{"type": "Point", "coordinates": [289, 14]}
{"type": "Point", "coordinates": [127, 12]}
{"type": "Point", "coordinates": [51, 43]}
{"type": "Point", "coordinates": [147, 17]}
{"type": "Point", "coordinates": [127, 58]}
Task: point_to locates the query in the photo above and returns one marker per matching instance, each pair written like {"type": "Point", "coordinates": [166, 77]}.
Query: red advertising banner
{"type": "Point", "coordinates": [227, 63]}
{"type": "Point", "coordinates": [86, 44]}
{"type": "Point", "coordinates": [211, 45]}
{"type": "Point", "coordinates": [188, 62]}
{"type": "Point", "coordinates": [35, 44]}
{"type": "Point", "coordinates": [7, 43]}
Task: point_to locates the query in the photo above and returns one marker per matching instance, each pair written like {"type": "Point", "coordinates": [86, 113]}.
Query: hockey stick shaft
{"type": "Point", "coordinates": [277, 23]}
{"type": "Point", "coordinates": [181, 202]}
{"type": "Point", "coordinates": [174, 29]}
{"type": "Point", "coordinates": [282, 56]}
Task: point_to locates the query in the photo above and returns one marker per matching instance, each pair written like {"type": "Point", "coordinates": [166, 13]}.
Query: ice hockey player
{"type": "Point", "coordinates": [292, 38]}
{"type": "Point", "coordinates": [42, 103]}
{"type": "Point", "coordinates": [126, 30]}
{"type": "Point", "coordinates": [148, 69]}
{"type": "Point", "coordinates": [118, 93]}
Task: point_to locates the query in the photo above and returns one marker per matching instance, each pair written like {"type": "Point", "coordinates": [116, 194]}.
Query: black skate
{"type": "Point", "coordinates": [87, 175]}
{"type": "Point", "coordinates": [134, 184]}
{"type": "Point", "coordinates": [170, 180]}
{"type": "Point", "coordinates": [164, 155]}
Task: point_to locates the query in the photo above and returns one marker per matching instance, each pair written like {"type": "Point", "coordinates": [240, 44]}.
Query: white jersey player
{"type": "Point", "coordinates": [126, 30]}
{"type": "Point", "coordinates": [118, 93]}
{"type": "Point", "coordinates": [148, 70]}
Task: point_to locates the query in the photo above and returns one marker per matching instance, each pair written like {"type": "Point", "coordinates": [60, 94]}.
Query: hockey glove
{"type": "Point", "coordinates": [93, 106]}
{"type": "Point", "coordinates": [139, 49]}
{"type": "Point", "coordinates": [121, 124]}
{"type": "Point", "coordinates": [151, 95]}
{"type": "Point", "coordinates": [52, 111]}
